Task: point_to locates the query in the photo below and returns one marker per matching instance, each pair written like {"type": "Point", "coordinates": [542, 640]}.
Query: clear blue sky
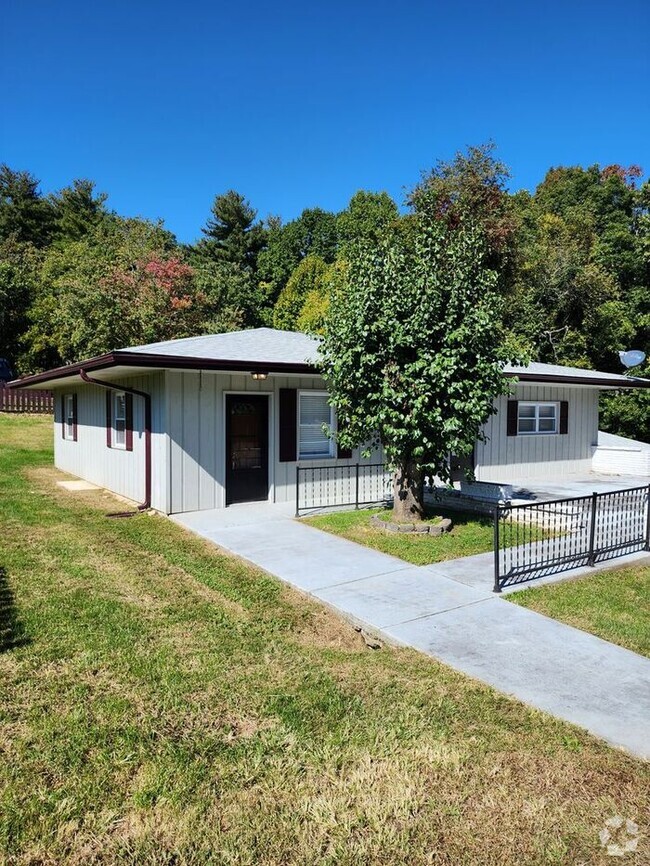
{"type": "Point", "coordinates": [164, 104]}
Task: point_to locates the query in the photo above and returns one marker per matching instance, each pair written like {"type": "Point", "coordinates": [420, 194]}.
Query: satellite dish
{"type": "Point", "coordinates": [632, 358]}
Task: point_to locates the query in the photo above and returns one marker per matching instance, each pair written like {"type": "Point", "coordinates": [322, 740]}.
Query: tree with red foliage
{"type": "Point", "coordinates": [628, 175]}
{"type": "Point", "coordinates": [473, 182]}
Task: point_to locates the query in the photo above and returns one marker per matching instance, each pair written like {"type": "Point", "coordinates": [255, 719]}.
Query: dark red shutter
{"type": "Point", "coordinates": [513, 413]}
{"type": "Point", "coordinates": [564, 416]}
{"type": "Point", "coordinates": [128, 411]}
{"type": "Point", "coordinates": [288, 424]}
{"type": "Point", "coordinates": [74, 417]}
{"type": "Point", "coordinates": [62, 416]}
{"type": "Point", "coordinates": [343, 453]}
{"type": "Point", "coordinates": [109, 418]}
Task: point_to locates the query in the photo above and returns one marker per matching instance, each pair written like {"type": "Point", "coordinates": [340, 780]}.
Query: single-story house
{"type": "Point", "coordinates": [204, 422]}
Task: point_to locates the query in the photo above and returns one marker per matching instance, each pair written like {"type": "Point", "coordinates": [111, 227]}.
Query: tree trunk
{"type": "Point", "coordinates": [408, 494]}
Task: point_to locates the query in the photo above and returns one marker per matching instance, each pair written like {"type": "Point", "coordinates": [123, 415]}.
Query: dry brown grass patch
{"type": "Point", "coordinates": [323, 629]}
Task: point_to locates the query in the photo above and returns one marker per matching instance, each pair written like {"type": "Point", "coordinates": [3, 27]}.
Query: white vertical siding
{"type": "Point", "coordinates": [120, 471]}
{"type": "Point", "coordinates": [514, 458]}
{"type": "Point", "coordinates": [196, 424]}
{"type": "Point", "coordinates": [189, 449]}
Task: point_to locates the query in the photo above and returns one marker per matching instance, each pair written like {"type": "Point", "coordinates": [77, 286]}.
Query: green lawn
{"type": "Point", "coordinates": [613, 604]}
{"type": "Point", "coordinates": [164, 703]}
{"type": "Point", "coordinates": [471, 534]}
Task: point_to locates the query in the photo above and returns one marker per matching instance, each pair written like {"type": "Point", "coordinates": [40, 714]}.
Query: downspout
{"type": "Point", "coordinates": [110, 386]}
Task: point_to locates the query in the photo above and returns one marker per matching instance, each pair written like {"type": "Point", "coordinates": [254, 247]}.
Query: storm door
{"type": "Point", "coordinates": [247, 448]}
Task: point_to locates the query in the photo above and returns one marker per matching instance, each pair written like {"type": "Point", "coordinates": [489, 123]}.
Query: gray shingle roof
{"type": "Point", "coordinates": [268, 345]}
{"type": "Point", "coordinates": [279, 351]}
{"type": "Point", "coordinates": [535, 367]}
{"type": "Point", "coordinates": [258, 345]}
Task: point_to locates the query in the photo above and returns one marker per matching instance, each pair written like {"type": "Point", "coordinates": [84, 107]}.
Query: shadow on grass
{"type": "Point", "coordinates": [12, 633]}
{"type": "Point", "coordinates": [462, 518]}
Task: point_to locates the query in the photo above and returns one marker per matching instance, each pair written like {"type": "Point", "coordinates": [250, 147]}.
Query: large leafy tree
{"type": "Point", "coordinates": [232, 233]}
{"type": "Point", "coordinates": [367, 215]}
{"type": "Point", "coordinates": [313, 315]}
{"type": "Point", "coordinates": [627, 413]}
{"type": "Point", "coordinates": [314, 232]}
{"type": "Point", "coordinates": [580, 266]}
{"type": "Point", "coordinates": [475, 182]}
{"type": "Point", "coordinates": [233, 288]}
{"type": "Point", "coordinates": [121, 284]}
{"type": "Point", "coordinates": [306, 278]}
{"type": "Point", "coordinates": [231, 293]}
{"type": "Point", "coordinates": [413, 349]}
{"type": "Point", "coordinates": [19, 269]}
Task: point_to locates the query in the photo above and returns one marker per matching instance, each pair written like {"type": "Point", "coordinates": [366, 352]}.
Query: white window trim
{"type": "Point", "coordinates": [121, 446]}
{"type": "Point", "coordinates": [332, 422]}
{"type": "Point", "coordinates": [68, 435]}
{"type": "Point", "coordinates": [537, 404]}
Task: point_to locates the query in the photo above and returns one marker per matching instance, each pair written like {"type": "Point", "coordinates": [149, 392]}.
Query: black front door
{"type": "Point", "coordinates": [247, 448]}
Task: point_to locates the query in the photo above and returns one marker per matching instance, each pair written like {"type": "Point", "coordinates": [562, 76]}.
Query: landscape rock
{"type": "Point", "coordinates": [445, 525]}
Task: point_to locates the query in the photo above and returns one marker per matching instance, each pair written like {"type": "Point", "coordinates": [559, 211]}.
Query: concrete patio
{"type": "Point", "coordinates": [576, 485]}
{"type": "Point", "coordinates": [448, 611]}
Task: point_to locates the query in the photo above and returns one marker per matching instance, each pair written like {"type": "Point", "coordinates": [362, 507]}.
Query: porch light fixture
{"type": "Point", "coordinates": [259, 376]}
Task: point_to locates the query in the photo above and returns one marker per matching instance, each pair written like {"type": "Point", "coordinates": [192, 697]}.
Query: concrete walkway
{"type": "Point", "coordinates": [449, 611]}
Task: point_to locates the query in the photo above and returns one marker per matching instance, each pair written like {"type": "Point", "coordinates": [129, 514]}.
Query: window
{"type": "Point", "coordinates": [119, 419]}
{"type": "Point", "coordinates": [70, 417]}
{"type": "Point", "coordinates": [315, 417]}
{"type": "Point", "coordinates": [537, 418]}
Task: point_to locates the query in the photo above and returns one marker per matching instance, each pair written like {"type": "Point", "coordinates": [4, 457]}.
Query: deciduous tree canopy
{"type": "Point", "coordinates": [414, 347]}
{"type": "Point", "coordinates": [571, 259]}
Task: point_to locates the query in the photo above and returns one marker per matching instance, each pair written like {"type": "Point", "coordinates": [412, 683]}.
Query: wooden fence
{"type": "Point", "coordinates": [22, 400]}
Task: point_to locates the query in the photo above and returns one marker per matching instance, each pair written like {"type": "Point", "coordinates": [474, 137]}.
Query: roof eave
{"type": "Point", "coordinates": [596, 382]}
{"type": "Point", "coordinates": [98, 363]}
{"type": "Point", "coordinates": [154, 360]}
{"type": "Point", "coordinates": [148, 360]}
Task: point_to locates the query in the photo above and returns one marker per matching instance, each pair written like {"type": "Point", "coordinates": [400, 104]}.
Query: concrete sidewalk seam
{"type": "Point", "coordinates": [406, 567]}
{"type": "Point", "coordinates": [437, 612]}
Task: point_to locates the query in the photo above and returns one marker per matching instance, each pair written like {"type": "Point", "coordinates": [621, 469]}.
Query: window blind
{"type": "Point", "coordinates": [315, 416]}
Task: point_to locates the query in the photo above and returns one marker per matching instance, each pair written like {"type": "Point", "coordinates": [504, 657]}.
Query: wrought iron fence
{"type": "Point", "coordinates": [349, 484]}
{"type": "Point", "coordinates": [24, 400]}
{"type": "Point", "coordinates": [543, 538]}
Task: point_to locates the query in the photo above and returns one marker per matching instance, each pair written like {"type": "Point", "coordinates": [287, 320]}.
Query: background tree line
{"type": "Point", "coordinates": [573, 258]}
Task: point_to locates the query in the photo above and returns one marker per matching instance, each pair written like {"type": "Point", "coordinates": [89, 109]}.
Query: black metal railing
{"type": "Point", "coordinates": [348, 484]}
{"type": "Point", "coordinates": [542, 538]}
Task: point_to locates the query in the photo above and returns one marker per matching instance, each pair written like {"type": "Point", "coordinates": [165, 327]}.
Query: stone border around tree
{"type": "Point", "coordinates": [445, 525]}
